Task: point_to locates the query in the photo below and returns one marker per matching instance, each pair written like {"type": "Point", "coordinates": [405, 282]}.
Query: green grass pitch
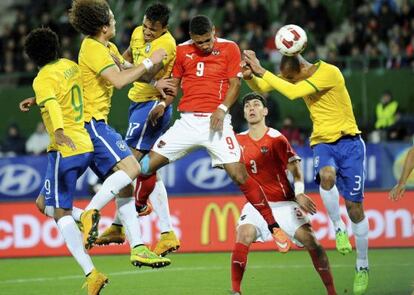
{"type": "Point", "coordinates": [391, 273]}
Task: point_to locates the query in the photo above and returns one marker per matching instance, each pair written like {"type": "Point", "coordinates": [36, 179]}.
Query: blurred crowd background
{"type": "Point", "coordinates": [353, 34]}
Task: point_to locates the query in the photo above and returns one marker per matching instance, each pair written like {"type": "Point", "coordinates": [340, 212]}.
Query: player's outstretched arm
{"type": "Point", "coordinates": [255, 83]}
{"type": "Point", "coordinates": [120, 79]}
{"type": "Point", "coordinates": [398, 190]}
{"type": "Point", "coordinates": [303, 200]}
{"type": "Point", "coordinates": [290, 90]}
{"type": "Point", "coordinates": [26, 103]}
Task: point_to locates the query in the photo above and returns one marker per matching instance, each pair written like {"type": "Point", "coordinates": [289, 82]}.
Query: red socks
{"type": "Point", "coordinates": [321, 264]}
{"type": "Point", "coordinates": [255, 195]}
{"type": "Point", "coordinates": [238, 265]}
{"type": "Point", "coordinates": [144, 187]}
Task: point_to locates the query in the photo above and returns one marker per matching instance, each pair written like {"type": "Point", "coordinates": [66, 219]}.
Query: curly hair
{"type": "Point", "coordinates": [158, 12]}
{"type": "Point", "coordinates": [89, 16]}
{"type": "Point", "coordinates": [42, 46]}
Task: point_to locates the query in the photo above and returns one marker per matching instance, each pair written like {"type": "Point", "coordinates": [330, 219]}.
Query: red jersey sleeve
{"type": "Point", "coordinates": [284, 150]}
{"type": "Point", "coordinates": [177, 71]}
{"type": "Point", "coordinates": [234, 57]}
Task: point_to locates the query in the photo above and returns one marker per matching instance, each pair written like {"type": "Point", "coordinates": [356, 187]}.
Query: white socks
{"type": "Point", "coordinates": [128, 215]}
{"type": "Point", "coordinates": [360, 230]}
{"type": "Point", "coordinates": [159, 201]}
{"type": "Point", "coordinates": [73, 239]}
{"type": "Point", "coordinates": [110, 188]}
{"type": "Point", "coordinates": [76, 213]}
{"type": "Point", "coordinates": [331, 201]}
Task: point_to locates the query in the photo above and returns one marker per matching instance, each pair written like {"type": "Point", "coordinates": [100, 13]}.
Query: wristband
{"type": "Point", "coordinates": [223, 108]}
{"type": "Point", "coordinates": [163, 104]}
{"type": "Point", "coordinates": [299, 188]}
{"type": "Point", "coordinates": [153, 83]}
{"type": "Point", "coordinates": [147, 64]}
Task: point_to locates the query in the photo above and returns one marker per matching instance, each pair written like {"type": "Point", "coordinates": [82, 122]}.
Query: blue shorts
{"type": "Point", "coordinates": [141, 135]}
{"type": "Point", "coordinates": [347, 156]}
{"type": "Point", "coordinates": [61, 176]}
{"type": "Point", "coordinates": [109, 147]}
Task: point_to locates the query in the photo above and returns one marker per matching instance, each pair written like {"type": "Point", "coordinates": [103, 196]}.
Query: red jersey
{"type": "Point", "coordinates": [266, 161]}
{"type": "Point", "coordinates": [205, 77]}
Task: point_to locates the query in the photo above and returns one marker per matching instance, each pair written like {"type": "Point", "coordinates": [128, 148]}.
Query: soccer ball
{"type": "Point", "coordinates": [291, 40]}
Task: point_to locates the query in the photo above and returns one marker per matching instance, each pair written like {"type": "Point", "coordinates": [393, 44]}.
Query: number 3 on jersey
{"type": "Point", "coordinates": [253, 166]}
{"type": "Point", "coordinates": [200, 69]}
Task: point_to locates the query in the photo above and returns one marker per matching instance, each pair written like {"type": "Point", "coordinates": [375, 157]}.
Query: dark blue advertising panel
{"type": "Point", "coordinates": [22, 177]}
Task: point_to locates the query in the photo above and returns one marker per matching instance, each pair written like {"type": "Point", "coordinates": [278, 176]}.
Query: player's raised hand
{"type": "Point", "coordinates": [62, 139]}
{"type": "Point", "coordinates": [217, 119]}
{"type": "Point", "coordinates": [164, 85]}
{"type": "Point", "coordinates": [306, 203]}
{"type": "Point", "coordinates": [246, 70]}
{"type": "Point", "coordinates": [397, 192]}
{"type": "Point", "coordinates": [249, 56]}
{"type": "Point", "coordinates": [158, 55]}
{"type": "Point", "coordinates": [25, 104]}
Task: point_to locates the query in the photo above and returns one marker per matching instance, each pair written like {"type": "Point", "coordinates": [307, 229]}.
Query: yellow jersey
{"type": "Point", "coordinates": [95, 57]}
{"type": "Point", "coordinates": [60, 81]}
{"type": "Point", "coordinates": [140, 50]}
{"type": "Point", "coordinates": [326, 97]}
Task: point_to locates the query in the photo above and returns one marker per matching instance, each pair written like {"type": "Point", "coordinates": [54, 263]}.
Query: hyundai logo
{"type": "Point", "coordinates": [18, 180]}
{"type": "Point", "coordinates": [201, 174]}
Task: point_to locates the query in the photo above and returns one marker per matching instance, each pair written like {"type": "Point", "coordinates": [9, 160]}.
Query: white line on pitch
{"type": "Point", "coordinates": [179, 269]}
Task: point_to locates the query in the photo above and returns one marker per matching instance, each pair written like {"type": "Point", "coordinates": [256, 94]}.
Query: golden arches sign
{"type": "Point", "coordinates": [221, 215]}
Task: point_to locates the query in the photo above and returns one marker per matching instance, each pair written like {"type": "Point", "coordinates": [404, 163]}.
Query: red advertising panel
{"type": "Point", "coordinates": [203, 223]}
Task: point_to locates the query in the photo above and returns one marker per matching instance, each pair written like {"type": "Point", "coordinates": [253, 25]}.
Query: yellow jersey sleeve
{"type": "Point", "coordinates": [46, 89]}
{"type": "Point", "coordinates": [58, 92]}
{"type": "Point", "coordinates": [95, 57]}
{"type": "Point", "coordinates": [141, 91]}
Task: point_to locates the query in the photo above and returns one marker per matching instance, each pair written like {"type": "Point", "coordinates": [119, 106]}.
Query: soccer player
{"type": "Point", "coordinates": [149, 117]}
{"type": "Point", "coordinates": [339, 151]}
{"type": "Point", "coordinates": [95, 20]}
{"type": "Point", "coordinates": [58, 89]}
{"type": "Point", "coordinates": [207, 69]}
{"type": "Point", "coordinates": [112, 158]}
{"type": "Point", "coordinates": [398, 190]}
{"type": "Point", "coordinates": [267, 155]}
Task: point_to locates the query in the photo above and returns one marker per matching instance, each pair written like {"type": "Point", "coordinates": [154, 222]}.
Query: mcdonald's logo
{"type": "Point", "coordinates": [221, 215]}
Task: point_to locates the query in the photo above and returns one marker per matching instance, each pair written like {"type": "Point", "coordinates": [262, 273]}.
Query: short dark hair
{"type": "Point", "coordinates": [200, 25]}
{"type": "Point", "coordinates": [42, 46]}
{"type": "Point", "coordinates": [290, 63]}
{"type": "Point", "coordinates": [254, 95]}
{"type": "Point", "coordinates": [89, 16]}
{"type": "Point", "coordinates": [158, 12]}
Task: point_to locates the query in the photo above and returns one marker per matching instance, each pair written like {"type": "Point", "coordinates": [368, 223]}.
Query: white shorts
{"type": "Point", "coordinates": [192, 131]}
{"type": "Point", "coordinates": [287, 214]}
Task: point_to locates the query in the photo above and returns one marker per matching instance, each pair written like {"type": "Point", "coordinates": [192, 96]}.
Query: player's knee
{"type": "Point", "coordinates": [328, 178]}
{"type": "Point", "coordinates": [355, 211]}
{"type": "Point", "coordinates": [40, 204]}
{"type": "Point", "coordinates": [130, 166]}
{"type": "Point", "coordinates": [310, 243]}
{"type": "Point", "coordinates": [239, 177]}
{"type": "Point", "coordinates": [246, 234]}
{"type": "Point", "coordinates": [145, 165]}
